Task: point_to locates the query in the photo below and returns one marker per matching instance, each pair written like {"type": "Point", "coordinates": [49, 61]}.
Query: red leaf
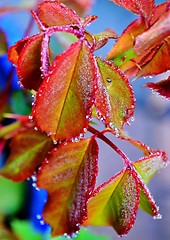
{"type": "Point", "coordinates": [153, 36]}
{"type": "Point", "coordinates": [69, 176]}
{"type": "Point", "coordinates": [64, 100]}
{"type": "Point", "coordinates": [162, 87]}
{"type": "Point", "coordinates": [26, 54]}
{"type": "Point", "coordinates": [154, 65]}
{"type": "Point", "coordinates": [142, 7]}
{"type": "Point", "coordinates": [80, 6]}
{"type": "Point", "coordinates": [55, 14]}
{"type": "Point", "coordinates": [115, 203]}
{"type": "Point", "coordinates": [114, 99]}
{"type": "Point", "coordinates": [28, 150]}
{"type": "Point", "coordinates": [100, 39]}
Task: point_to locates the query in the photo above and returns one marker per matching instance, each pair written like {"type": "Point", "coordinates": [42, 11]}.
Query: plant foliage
{"type": "Point", "coordinates": [51, 143]}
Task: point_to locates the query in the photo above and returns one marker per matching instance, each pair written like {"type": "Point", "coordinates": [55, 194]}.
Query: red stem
{"type": "Point", "coordinates": [100, 135]}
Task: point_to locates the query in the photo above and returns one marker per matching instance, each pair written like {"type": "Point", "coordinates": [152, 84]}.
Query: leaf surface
{"type": "Point", "coordinates": [26, 54]}
{"type": "Point", "coordinates": [115, 203]}
{"type": "Point", "coordinates": [147, 167]}
{"type": "Point", "coordinates": [114, 99]}
{"type": "Point", "coordinates": [161, 87]}
{"type": "Point", "coordinates": [127, 39]}
{"type": "Point", "coordinates": [55, 14]}
{"type": "Point", "coordinates": [64, 100]}
{"type": "Point", "coordinates": [143, 7]}
{"type": "Point", "coordinates": [69, 176]}
{"type": "Point", "coordinates": [28, 150]}
{"type": "Point", "coordinates": [154, 35]}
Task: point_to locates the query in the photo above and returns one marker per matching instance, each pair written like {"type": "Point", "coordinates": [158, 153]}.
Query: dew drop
{"type": "Point", "coordinates": [30, 117]}
{"type": "Point", "coordinates": [55, 142]}
{"type": "Point", "coordinates": [132, 119]}
{"type": "Point", "coordinates": [38, 216]}
{"type": "Point", "coordinates": [111, 125]}
{"type": "Point", "coordinates": [158, 217]}
{"type": "Point", "coordinates": [35, 128]}
{"type": "Point", "coordinates": [42, 222]}
{"type": "Point", "coordinates": [85, 130]}
{"type": "Point", "coordinates": [109, 80]}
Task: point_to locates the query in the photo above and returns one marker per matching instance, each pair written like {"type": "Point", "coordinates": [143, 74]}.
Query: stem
{"type": "Point", "coordinates": [4, 131]}
{"type": "Point", "coordinates": [100, 135]}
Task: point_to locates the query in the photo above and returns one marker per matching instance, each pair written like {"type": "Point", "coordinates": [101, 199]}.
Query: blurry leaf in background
{"type": "Point", "coordinates": [20, 103]}
{"type": "Point", "coordinates": [11, 196]}
{"type": "Point", "coordinates": [25, 231]}
{"type": "Point", "coordinates": [85, 234]}
{"type": "Point", "coordinates": [3, 43]}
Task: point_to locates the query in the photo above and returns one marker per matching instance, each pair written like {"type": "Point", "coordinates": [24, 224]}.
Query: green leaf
{"type": "Point", "coordinates": [69, 176]}
{"type": "Point", "coordinates": [115, 203]}
{"type": "Point", "coordinates": [63, 103]}
{"type": "Point", "coordinates": [24, 230]}
{"type": "Point", "coordinates": [11, 196]}
{"type": "Point", "coordinates": [114, 98]}
{"type": "Point", "coordinates": [19, 103]}
{"type": "Point", "coordinates": [28, 150]}
{"type": "Point", "coordinates": [3, 43]}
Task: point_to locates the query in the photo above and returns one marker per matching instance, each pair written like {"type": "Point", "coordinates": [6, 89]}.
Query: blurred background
{"type": "Point", "coordinates": [151, 126]}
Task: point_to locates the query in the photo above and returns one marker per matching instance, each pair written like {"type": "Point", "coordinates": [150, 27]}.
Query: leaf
{"type": "Point", "coordinates": [142, 7]}
{"type": "Point", "coordinates": [10, 191]}
{"type": "Point", "coordinates": [69, 176]}
{"type": "Point", "coordinates": [100, 39]}
{"type": "Point", "coordinates": [155, 35]}
{"type": "Point", "coordinates": [3, 43]}
{"type": "Point", "coordinates": [155, 66]}
{"type": "Point", "coordinates": [79, 6]}
{"type": "Point", "coordinates": [55, 14]}
{"type": "Point", "coordinates": [115, 203]}
{"type": "Point", "coordinates": [147, 167]}
{"type": "Point", "coordinates": [28, 150]}
{"type": "Point", "coordinates": [24, 230]}
{"type": "Point", "coordinates": [63, 103]}
{"type": "Point", "coordinates": [161, 87]}
{"type": "Point", "coordinates": [127, 39]}
{"type": "Point", "coordinates": [114, 98]}
{"type": "Point", "coordinates": [26, 54]}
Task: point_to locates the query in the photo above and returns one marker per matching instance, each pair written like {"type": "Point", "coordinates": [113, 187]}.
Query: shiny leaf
{"type": "Point", "coordinates": [161, 87]}
{"type": "Point", "coordinates": [28, 150]}
{"type": "Point", "coordinates": [143, 7]}
{"type": "Point", "coordinates": [55, 14]}
{"type": "Point", "coordinates": [114, 99]}
{"type": "Point", "coordinates": [115, 203]}
{"type": "Point", "coordinates": [26, 54]}
{"type": "Point", "coordinates": [79, 6]}
{"type": "Point", "coordinates": [69, 176]}
{"type": "Point", "coordinates": [64, 100]}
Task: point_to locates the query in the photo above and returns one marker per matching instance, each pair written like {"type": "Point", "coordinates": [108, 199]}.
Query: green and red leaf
{"type": "Point", "coordinates": [28, 150]}
{"type": "Point", "coordinates": [26, 55]}
{"type": "Point", "coordinates": [57, 14]}
{"type": "Point", "coordinates": [69, 176]}
{"type": "Point", "coordinates": [114, 98]}
{"type": "Point", "coordinates": [161, 87]}
{"type": "Point", "coordinates": [127, 39]}
{"type": "Point", "coordinates": [63, 103]}
{"type": "Point", "coordinates": [115, 203]}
